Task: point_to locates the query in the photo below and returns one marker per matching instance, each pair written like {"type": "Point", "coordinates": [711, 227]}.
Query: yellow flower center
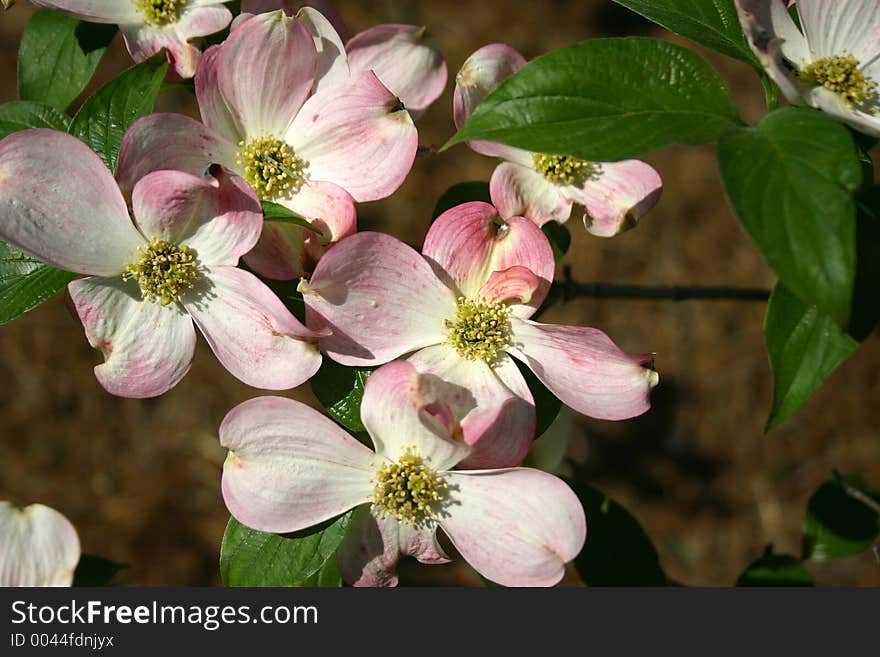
{"type": "Point", "coordinates": [160, 12]}
{"type": "Point", "coordinates": [480, 330]}
{"type": "Point", "coordinates": [563, 168]}
{"type": "Point", "coordinates": [407, 490]}
{"type": "Point", "coordinates": [271, 167]}
{"type": "Point", "coordinates": [843, 76]}
{"type": "Point", "coordinates": [164, 271]}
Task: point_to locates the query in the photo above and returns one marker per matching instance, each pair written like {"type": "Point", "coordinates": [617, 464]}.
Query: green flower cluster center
{"type": "Point", "coordinates": [407, 489]}
{"type": "Point", "coordinates": [480, 329]}
{"type": "Point", "coordinates": [563, 168]}
{"type": "Point", "coordinates": [842, 75]}
{"type": "Point", "coordinates": [271, 167]}
{"type": "Point", "coordinates": [160, 12]}
{"type": "Point", "coordinates": [164, 271]}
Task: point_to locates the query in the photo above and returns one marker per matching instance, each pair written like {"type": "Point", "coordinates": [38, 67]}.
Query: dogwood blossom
{"type": "Point", "coordinates": [315, 153]}
{"type": "Point", "coordinates": [38, 546]}
{"type": "Point", "coordinates": [461, 309]}
{"type": "Point", "coordinates": [150, 25]}
{"type": "Point", "coordinates": [543, 187]}
{"type": "Point", "coordinates": [149, 279]}
{"type": "Point", "coordinates": [290, 468]}
{"type": "Point", "coordinates": [832, 64]}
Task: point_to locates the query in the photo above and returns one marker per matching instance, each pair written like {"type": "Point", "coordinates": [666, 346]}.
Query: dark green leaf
{"type": "Point", "coordinates": [776, 570]}
{"type": "Point", "coordinates": [21, 115]}
{"type": "Point", "coordinates": [547, 405]}
{"type": "Point", "coordinates": [560, 238]}
{"type": "Point", "coordinates": [866, 296]}
{"type": "Point", "coordinates": [340, 389]}
{"type": "Point", "coordinates": [95, 571]}
{"type": "Point", "coordinates": [328, 577]}
{"type": "Point", "coordinates": [25, 282]}
{"type": "Point", "coordinates": [281, 214]}
{"type": "Point", "coordinates": [837, 524]}
{"type": "Point", "coordinates": [252, 558]}
{"type": "Point", "coordinates": [105, 116]}
{"type": "Point", "coordinates": [58, 56]}
{"type": "Point", "coordinates": [606, 100]}
{"type": "Point", "coordinates": [617, 551]}
{"type": "Point", "coordinates": [462, 193]}
{"type": "Point", "coordinates": [712, 23]}
{"type": "Point", "coordinates": [791, 181]}
{"type": "Point", "coordinates": [805, 347]}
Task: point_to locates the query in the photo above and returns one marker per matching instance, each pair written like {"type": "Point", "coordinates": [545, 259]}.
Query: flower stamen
{"type": "Point", "coordinates": [563, 169]}
{"type": "Point", "coordinates": [164, 271]}
{"type": "Point", "coordinates": [160, 12]}
{"type": "Point", "coordinates": [480, 330]}
{"type": "Point", "coordinates": [842, 75]}
{"type": "Point", "coordinates": [271, 167]}
{"type": "Point", "coordinates": [407, 490]}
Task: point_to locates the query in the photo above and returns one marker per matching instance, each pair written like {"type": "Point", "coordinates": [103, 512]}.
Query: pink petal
{"type": "Point", "coordinates": [142, 42]}
{"type": "Point", "coordinates": [493, 404]}
{"type": "Point", "coordinates": [380, 298]}
{"type": "Point", "coordinates": [215, 111]}
{"type": "Point", "coordinates": [399, 411]}
{"type": "Point", "coordinates": [585, 369]}
{"type": "Point", "coordinates": [287, 251]}
{"type": "Point", "coordinates": [469, 244]}
{"type": "Point", "coordinates": [289, 467]}
{"type": "Point", "coordinates": [95, 11]}
{"type": "Point", "coordinates": [221, 217]}
{"type": "Point", "coordinates": [59, 202]}
{"type": "Point", "coordinates": [147, 347]}
{"type": "Point", "coordinates": [515, 527]}
{"type": "Point", "coordinates": [326, 7]}
{"type": "Point", "coordinates": [618, 197]}
{"type": "Point", "coordinates": [332, 61]}
{"type": "Point", "coordinates": [169, 141]}
{"type": "Point", "coordinates": [372, 547]}
{"type": "Point", "coordinates": [356, 136]}
{"type": "Point", "coordinates": [265, 72]}
{"type": "Point", "coordinates": [403, 59]}
{"type": "Point", "coordinates": [250, 331]}
{"type": "Point", "coordinates": [520, 191]}
{"type": "Point", "coordinates": [38, 547]}
{"type": "Point", "coordinates": [513, 285]}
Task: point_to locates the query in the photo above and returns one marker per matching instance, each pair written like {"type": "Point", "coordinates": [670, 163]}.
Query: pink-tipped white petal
{"type": "Point", "coordinates": [468, 243]}
{"type": "Point", "coordinates": [286, 251]}
{"type": "Point", "coordinates": [332, 61]}
{"type": "Point", "coordinates": [514, 285]}
{"type": "Point", "coordinates": [59, 202]}
{"type": "Point", "coordinates": [585, 369]}
{"type": "Point", "coordinates": [266, 68]}
{"type": "Point", "coordinates": [148, 348]}
{"type": "Point", "coordinates": [326, 7]}
{"type": "Point", "coordinates": [493, 404]}
{"type": "Point", "coordinates": [618, 196]}
{"type": "Point", "coordinates": [404, 60]}
{"type": "Point", "coordinates": [169, 141]}
{"type": "Point", "coordinates": [401, 410]}
{"type": "Point", "coordinates": [515, 527]}
{"type": "Point", "coordinates": [357, 136]}
{"type": "Point", "coordinates": [250, 331]}
{"type": "Point", "coordinates": [38, 547]}
{"type": "Point", "coordinates": [96, 11]}
{"type": "Point", "coordinates": [520, 191]}
{"type": "Point", "coordinates": [379, 297]}
{"type": "Point", "coordinates": [215, 111]}
{"type": "Point", "coordinates": [369, 553]}
{"type": "Point", "coordinates": [289, 467]}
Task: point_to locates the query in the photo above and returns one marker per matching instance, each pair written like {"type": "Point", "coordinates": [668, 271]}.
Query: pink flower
{"type": "Point", "coordinates": [315, 153]}
{"type": "Point", "coordinates": [149, 279]}
{"type": "Point", "coordinates": [290, 468]}
{"type": "Point", "coordinates": [38, 546]}
{"type": "Point", "coordinates": [543, 187]}
{"type": "Point", "coordinates": [461, 310]}
{"type": "Point", "coordinates": [150, 25]}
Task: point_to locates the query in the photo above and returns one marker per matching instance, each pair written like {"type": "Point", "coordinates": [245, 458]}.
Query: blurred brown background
{"type": "Point", "coordinates": [140, 479]}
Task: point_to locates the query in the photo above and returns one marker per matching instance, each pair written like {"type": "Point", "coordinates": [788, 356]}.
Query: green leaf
{"type": "Point", "coordinates": [58, 57]}
{"type": "Point", "coordinates": [462, 192]}
{"type": "Point", "coordinates": [805, 347]}
{"type": "Point", "coordinates": [25, 282]}
{"type": "Point", "coordinates": [618, 552]}
{"type": "Point", "coordinates": [837, 524]}
{"type": "Point", "coordinates": [21, 115]}
{"type": "Point", "coordinates": [547, 405]}
{"type": "Point", "coordinates": [95, 571]}
{"type": "Point", "coordinates": [340, 389]}
{"type": "Point", "coordinates": [105, 116]}
{"type": "Point", "coordinates": [252, 558]}
{"type": "Point", "coordinates": [712, 23]}
{"type": "Point", "coordinates": [776, 570]}
{"type": "Point", "coordinates": [328, 577]}
{"type": "Point", "coordinates": [606, 100]}
{"type": "Point", "coordinates": [791, 181]}
{"type": "Point", "coordinates": [279, 213]}
{"type": "Point", "coordinates": [866, 309]}
{"type": "Point", "coordinates": [560, 238]}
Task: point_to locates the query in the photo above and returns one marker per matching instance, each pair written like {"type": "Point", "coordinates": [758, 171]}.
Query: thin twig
{"type": "Point", "coordinates": [856, 494]}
